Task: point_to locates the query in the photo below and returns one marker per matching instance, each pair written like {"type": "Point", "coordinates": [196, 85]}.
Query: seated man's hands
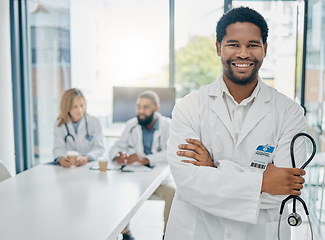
{"type": "Point", "coordinates": [121, 158]}
{"type": "Point", "coordinates": [282, 181]}
{"type": "Point", "coordinates": [195, 150]}
{"type": "Point", "coordinates": [137, 158]}
{"type": "Point", "coordinates": [124, 159]}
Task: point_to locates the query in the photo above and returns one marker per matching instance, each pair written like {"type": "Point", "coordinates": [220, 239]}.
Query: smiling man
{"type": "Point", "coordinates": [228, 147]}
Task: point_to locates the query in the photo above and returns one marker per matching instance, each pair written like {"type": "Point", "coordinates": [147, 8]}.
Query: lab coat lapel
{"type": "Point", "coordinates": [139, 139]}
{"type": "Point", "coordinates": [71, 129]}
{"type": "Point", "coordinates": [73, 141]}
{"type": "Point", "coordinates": [259, 109]}
{"type": "Point", "coordinates": [218, 105]}
{"type": "Point", "coordinates": [82, 125]}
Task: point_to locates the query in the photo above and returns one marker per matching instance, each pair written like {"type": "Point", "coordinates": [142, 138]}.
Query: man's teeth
{"type": "Point", "coordinates": [241, 65]}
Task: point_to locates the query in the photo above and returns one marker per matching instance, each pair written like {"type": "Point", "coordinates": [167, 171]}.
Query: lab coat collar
{"type": "Point", "coordinates": [81, 123]}
{"type": "Point", "coordinates": [157, 125]}
{"type": "Point", "coordinates": [259, 109]}
{"type": "Point", "coordinates": [215, 89]}
{"type": "Point", "coordinates": [218, 105]}
{"type": "Point", "coordinates": [256, 113]}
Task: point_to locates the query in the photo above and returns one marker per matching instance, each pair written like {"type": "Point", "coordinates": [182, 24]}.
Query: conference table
{"type": "Point", "coordinates": [49, 202]}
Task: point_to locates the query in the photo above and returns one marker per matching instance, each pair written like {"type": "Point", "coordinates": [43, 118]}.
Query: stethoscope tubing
{"type": "Point", "coordinates": [70, 135]}
{"type": "Point", "coordinates": [292, 150]}
{"type": "Point", "coordinates": [159, 138]}
{"type": "Point", "coordinates": [310, 227]}
{"type": "Point", "coordinates": [295, 198]}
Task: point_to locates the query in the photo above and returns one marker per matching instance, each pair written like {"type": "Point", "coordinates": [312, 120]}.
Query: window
{"type": "Point", "coordinates": [92, 45]}
{"type": "Point", "coordinates": [50, 67]}
{"type": "Point", "coordinates": [279, 67]}
{"type": "Point", "coordinates": [314, 103]}
{"type": "Point", "coordinates": [196, 60]}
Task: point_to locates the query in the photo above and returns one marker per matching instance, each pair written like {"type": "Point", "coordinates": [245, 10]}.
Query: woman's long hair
{"type": "Point", "coordinates": [66, 104]}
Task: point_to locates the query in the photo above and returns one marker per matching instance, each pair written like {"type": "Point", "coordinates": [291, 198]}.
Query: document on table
{"type": "Point", "coordinates": [135, 167]}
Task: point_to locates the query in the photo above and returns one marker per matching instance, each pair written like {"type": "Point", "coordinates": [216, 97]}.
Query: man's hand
{"type": "Point", "coordinates": [82, 160]}
{"type": "Point", "coordinates": [195, 150]}
{"type": "Point", "coordinates": [121, 158]}
{"type": "Point", "coordinates": [64, 162]}
{"type": "Point", "coordinates": [282, 181]}
{"type": "Point", "coordinates": [137, 158]}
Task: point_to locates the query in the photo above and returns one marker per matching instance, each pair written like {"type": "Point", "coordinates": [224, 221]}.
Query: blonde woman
{"type": "Point", "coordinates": [75, 130]}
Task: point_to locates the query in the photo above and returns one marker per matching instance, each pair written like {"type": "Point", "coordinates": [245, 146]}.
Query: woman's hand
{"type": "Point", "coordinates": [82, 160]}
{"type": "Point", "coordinates": [64, 162]}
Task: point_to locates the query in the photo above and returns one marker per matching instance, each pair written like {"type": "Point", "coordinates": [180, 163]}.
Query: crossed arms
{"type": "Point", "coordinates": [276, 180]}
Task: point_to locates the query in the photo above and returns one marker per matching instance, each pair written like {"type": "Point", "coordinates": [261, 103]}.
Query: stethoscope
{"type": "Point", "coordinates": [159, 139]}
{"type": "Point", "coordinates": [70, 135]}
{"type": "Point", "coordinates": [294, 219]}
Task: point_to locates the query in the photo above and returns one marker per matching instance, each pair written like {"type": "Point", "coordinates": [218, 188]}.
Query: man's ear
{"type": "Point", "coordinates": [218, 46]}
{"type": "Point", "coordinates": [265, 49]}
{"type": "Point", "coordinates": [157, 108]}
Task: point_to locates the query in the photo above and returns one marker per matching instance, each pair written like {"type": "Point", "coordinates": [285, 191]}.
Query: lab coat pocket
{"type": "Point", "coordinates": [271, 230]}
{"type": "Point", "coordinates": [182, 221]}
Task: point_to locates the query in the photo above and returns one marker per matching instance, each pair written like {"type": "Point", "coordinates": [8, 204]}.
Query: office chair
{"type": "Point", "coordinates": [4, 173]}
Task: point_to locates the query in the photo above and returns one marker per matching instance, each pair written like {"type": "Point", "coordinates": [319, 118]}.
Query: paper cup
{"type": "Point", "coordinates": [102, 162]}
{"type": "Point", "coordinates": [72, 156]}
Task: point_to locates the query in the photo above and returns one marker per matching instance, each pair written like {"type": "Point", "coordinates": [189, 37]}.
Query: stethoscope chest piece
{"type": "Point", "coordinates": [294, 219]}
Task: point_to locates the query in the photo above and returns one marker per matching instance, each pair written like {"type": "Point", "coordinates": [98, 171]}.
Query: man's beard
{"type": "Point", "coordinates": [241, 81]}
{"type": "Point", "coordinates": [145, 122]}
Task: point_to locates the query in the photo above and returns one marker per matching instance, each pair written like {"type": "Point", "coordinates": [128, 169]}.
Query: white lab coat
{"type": "Point", "coordinates": [93, 149]}
{"type": "Point", "coordinates": [131, 141]}
{"type": "Point", "coordinates": [225, 202]}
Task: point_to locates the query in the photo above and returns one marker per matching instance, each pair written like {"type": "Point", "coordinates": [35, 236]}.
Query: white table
{"type": "Point", "coordinates": [50, 202]}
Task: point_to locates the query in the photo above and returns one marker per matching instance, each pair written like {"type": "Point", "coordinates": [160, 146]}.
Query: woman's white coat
{"type": "Point", "coordinates": [93, 147]}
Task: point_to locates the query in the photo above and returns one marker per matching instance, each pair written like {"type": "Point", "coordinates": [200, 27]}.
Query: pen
{"type": "Point", "coordinates": [122, 169]}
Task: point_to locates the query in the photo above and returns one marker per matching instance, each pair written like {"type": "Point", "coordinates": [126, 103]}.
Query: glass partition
{"type": "Point", "coordinates": [93, 46]}
{"type": "Point", "coordinates": [196, 60]}
{"type": "Point", "coordinates": [49, 56]}
{"type": "Point", "coordinates": [278, 69]}
{"type": "Point", "coordinates": [314, 103]}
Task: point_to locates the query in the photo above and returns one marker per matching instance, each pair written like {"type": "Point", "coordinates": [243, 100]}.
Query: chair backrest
{"type": "Point", "coordinates": [4, 173]}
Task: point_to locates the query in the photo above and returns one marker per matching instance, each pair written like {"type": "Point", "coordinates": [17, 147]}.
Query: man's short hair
{"type": "Point", "coordinates": [241, 14]}
{"type": "Point", "coordinates": [151, 95]}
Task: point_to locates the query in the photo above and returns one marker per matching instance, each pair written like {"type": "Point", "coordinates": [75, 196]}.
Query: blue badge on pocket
{"type": "Point", "coordinates": [262, 157]}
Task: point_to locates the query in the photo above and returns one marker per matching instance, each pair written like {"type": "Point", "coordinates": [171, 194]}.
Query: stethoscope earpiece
{"type": "Point", "coordinates": [294, 219]}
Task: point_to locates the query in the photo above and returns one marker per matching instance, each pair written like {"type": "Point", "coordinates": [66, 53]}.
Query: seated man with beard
{"type": "Point", "coordinates": [144, 141]}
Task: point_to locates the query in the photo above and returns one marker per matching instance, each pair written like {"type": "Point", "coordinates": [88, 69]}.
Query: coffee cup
{"type": "Point", "coordinates": [102, 162]}
{"type": "Point", "coordinates": [72, 156]}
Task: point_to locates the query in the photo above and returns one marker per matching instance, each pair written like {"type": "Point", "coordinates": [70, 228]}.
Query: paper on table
{"type": "Point", "coordinates": [137, 168]}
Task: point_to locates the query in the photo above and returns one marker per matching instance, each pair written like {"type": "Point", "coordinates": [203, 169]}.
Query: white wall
{"type": "Point", "coordinates": [7, 150]}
